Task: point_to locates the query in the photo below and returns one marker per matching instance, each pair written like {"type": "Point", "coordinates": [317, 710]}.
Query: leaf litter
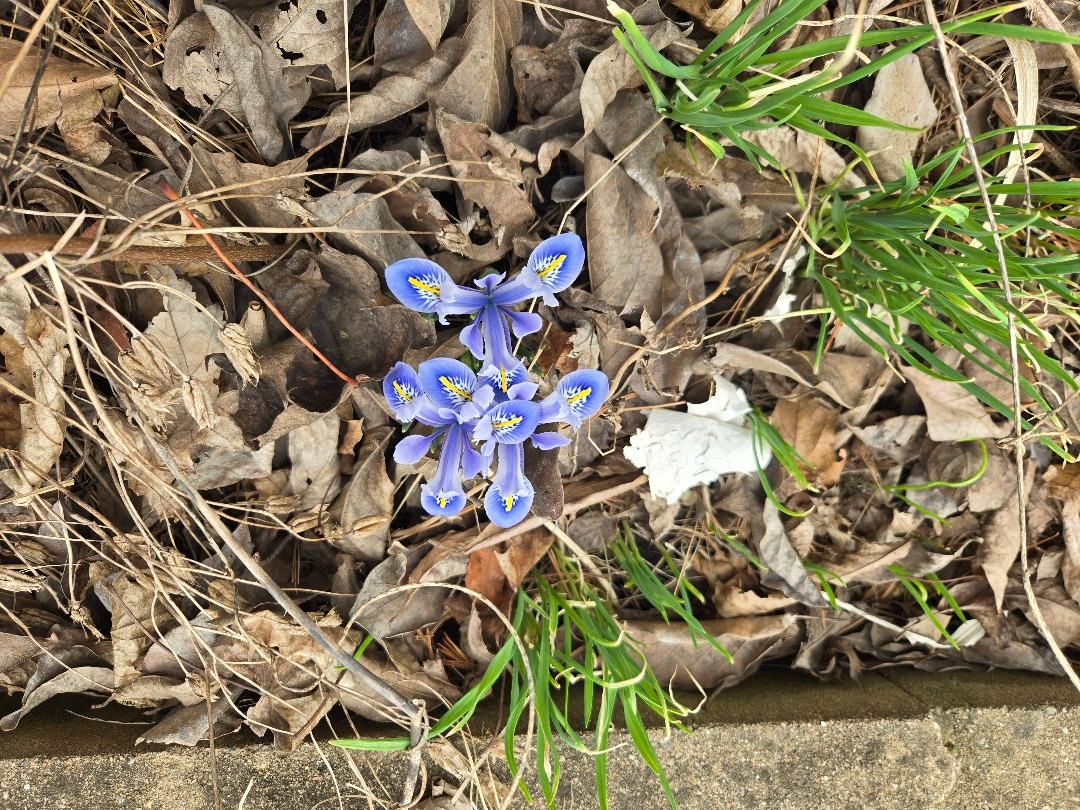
{"type": "Point", "coordinates": [798, 475]}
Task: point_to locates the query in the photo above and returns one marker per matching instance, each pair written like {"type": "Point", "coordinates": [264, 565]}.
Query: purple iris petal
{"type": "Point", "coordinates": [472, 336]}
{"type": "Point", "coordinates": [500, 365]}
{"type": "Point", "coordinates": [418, 283]}
{"type": "Point", "coordinates": [403, 392]}
{"type": "Point", "coordinates": [443, 495]}
{"type": "Point", "coordinates": [473, 462]}
{"type": "Point", "coordinates": [522, 390]}
{"type": "Point", "coordinates": [510, 422]}
{"type": "Point", "coordinates": [578, 396]}
{"type": "Point", "coordinates": [458, 300]}
{"type": "Point", "coordinates": [449, 384]}
{"type": "Point", "coordinates": [413, 448]}
{"type": "Point", "coordinates": [554, 266]}
{"type": "Point", "coordinates": [523, 323]}
{"type": "Point", "coordinates": [510, 495]}
{"type": "Point", "coordinates": [549, 440]}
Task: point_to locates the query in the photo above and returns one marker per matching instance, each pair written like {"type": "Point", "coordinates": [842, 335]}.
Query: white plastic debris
{"type": "Point", "coordinates": [679, 450]}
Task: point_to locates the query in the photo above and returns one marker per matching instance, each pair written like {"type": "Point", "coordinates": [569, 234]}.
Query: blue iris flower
{"type": "Point", "coordinates": [446, 396]}
{"type": "Point", "coordinates": [422, 285]}
{"type": "Point", "coordinates": [494, 409]}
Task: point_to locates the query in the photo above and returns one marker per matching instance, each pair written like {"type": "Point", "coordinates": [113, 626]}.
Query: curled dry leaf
{"type": "Point", "coordinates": [35, 353]}
{"type": "Point", "coordinates": [952, 414]}
{"type": "Point", "coordinates": [691, 663]}
{"type": "Point", "coordinates": [68, 94]}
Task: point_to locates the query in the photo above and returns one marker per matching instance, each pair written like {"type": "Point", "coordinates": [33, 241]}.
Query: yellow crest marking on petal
{"type": "Point", "coordinates": [509, 501]}
{"type": "Point", "coordinates": [573, 399]}
{"type": "Point", "coordinates": [449, 385]}
{"type": "Point", "coordinates": [401, 392]}
{"type": "Point", "coordinates": [504, 382]}
{"type": "Point", "coordinates": [513, 421]}
{"type": "Point", "coordinates": [442, 501]}
{"type": "Point", "coordinates": [551, 266]}
{"type": "Point", "coordinates": [423, 286]}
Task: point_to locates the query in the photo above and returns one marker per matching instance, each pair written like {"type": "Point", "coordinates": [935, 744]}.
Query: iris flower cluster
{"type": "Point", "coordinates": [482, 418]}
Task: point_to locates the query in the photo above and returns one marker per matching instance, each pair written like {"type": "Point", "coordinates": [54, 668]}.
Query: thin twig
{"type": "Point", "coordinates": [1014, 359]}
{"type": "Point", "coordinates": [12, 243]}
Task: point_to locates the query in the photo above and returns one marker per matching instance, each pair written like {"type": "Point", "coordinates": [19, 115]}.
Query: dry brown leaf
{"type": "Point", "coordinates": [311, 33]}
{"type": "Point", "coordinates": [952, 414]}
{"type": "Point", "coordinates": [489, 171]}
{"type": "Point", "coordinates": [138, 612]}
{"type": "Point", "coordinates": [900, 95]}
{"type": "Point", "coordinates": [1001, 544]}
{"type": "Point", "coordinates": [218, 61]}
{"type": "Point", "coordinates": [315, 472]}
{"type": "Point", "coordinates": [35, 353]}
{"type": "Point", "coordinates": [257, 187]}
{"type": "Point", "coordinates": [810, 428]}
{"type": "Point", "coordinates": [190, 725]}
{"type": "Point", "coordinates": [364, 224]}
{"type": "Point", "coordinates": [625, 264]}
{"type": "Point", "coordinates": [688, 663]}
{"type": "Point", "coordinates": [497, 574]}
{"type": "Point", "coordinates": [68, 94]}
{"type": "Point", "coordinates": [407, 32]}
{"type": "Point", "coordinates": [367, 501]}
{"type": "Point", "coordinates": [73, 669]}
{"type": "Point", "coordinates": [404, 611]}
{"type": "Point", "coordinates": [478, 89]}
{"type": "Point", "coordinates": [869, 563]}
{"type": "Point", "coordinates": [714, 19]}
{"type": "Point", "coordinates": [899, 438]}
{"type": "Point", "coordinates": [786, 570]}
{"type": "Point", "coordinates": [393, 96]}
{"type": "Point", "coordinates": [802, 152]}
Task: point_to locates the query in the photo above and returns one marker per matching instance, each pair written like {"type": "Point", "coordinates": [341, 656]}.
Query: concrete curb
{"type": "Point", "coordinates": [897, 741]}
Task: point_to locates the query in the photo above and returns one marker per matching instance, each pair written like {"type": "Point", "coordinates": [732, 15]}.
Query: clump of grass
{"type": "Point", "coordinates": [914, 586]}
{"type": "Point", "coordinates": [577, 668]}
{"type": "Point", "coordinates": [735, 86]}
{"type": "Point", "coordinates": [916, 251]}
